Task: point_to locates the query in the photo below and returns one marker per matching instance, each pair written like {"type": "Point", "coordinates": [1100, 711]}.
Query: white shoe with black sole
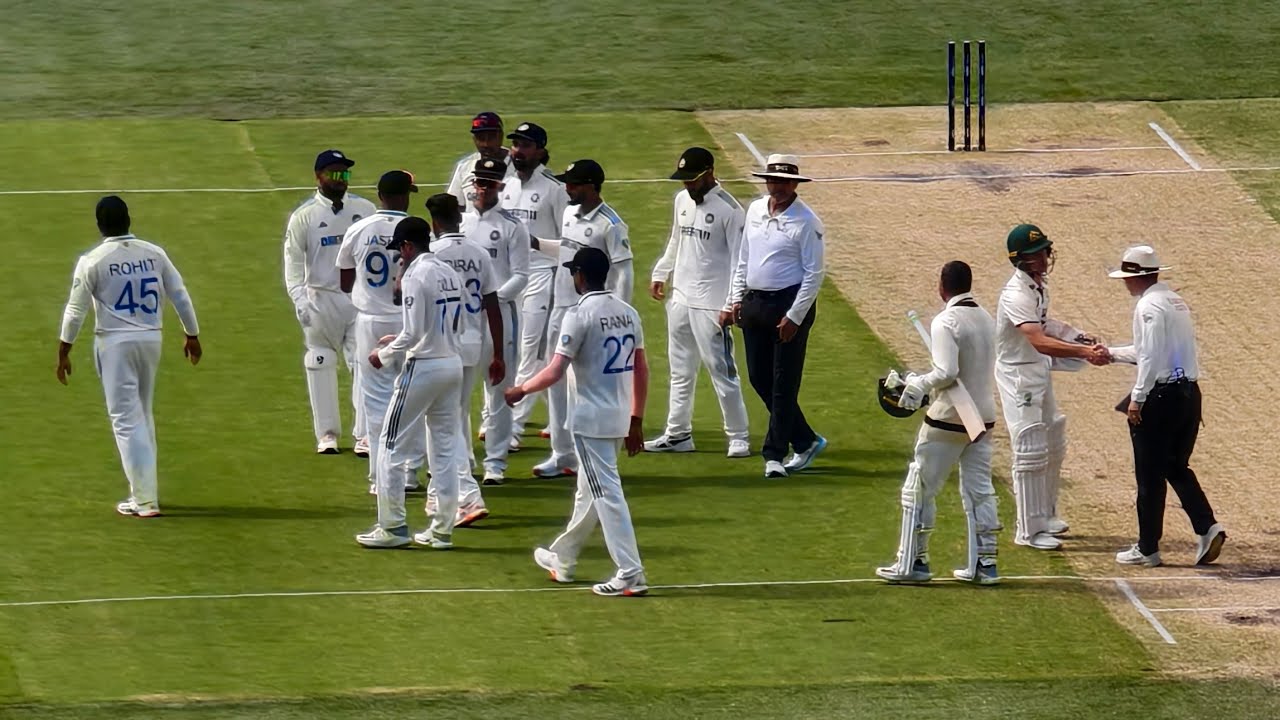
{"type": "Point", "coordinates": [774, 469]}
{"type": "Point", "coordinates": [1209, 545]}
{"type": "Point", "coordinates": [666, 443]}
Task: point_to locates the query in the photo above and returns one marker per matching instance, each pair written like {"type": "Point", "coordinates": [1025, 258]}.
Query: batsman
{"type": "Point", "coordinates": [959, 383]}
{"type": "Point", "coordinates": [1029, 344]}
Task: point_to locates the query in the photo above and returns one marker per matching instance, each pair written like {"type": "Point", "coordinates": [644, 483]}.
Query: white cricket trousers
{"type": "Point", "coordinates": [468, 489]}
{"type": "Point", "coordinates": [499, 421]}
{"type": "Point", "coordinates": [694, 337]}
{"type": "Point", "coordinates": [1037, 435]}
{"type": "Point", "coordinates": [535, 349]}
{"type": "Point", "coordinates": [376, 386]}
{"type": "Point", "coordinates": [562, 442]}
{"type": "Point", "coordinates": [426, 390]}
{"type": "Point", "coordinates": [329, 335]}
{"type": "Point", "coordinates": [599, 498]}
{"type": "Point", "coordinates": [127, 367]}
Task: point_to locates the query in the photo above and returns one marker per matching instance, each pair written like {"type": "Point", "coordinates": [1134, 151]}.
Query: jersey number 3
{"type": "Point", "coordinates": [615, 346]}
{"type": "Point", "coordinates": [147, 288]}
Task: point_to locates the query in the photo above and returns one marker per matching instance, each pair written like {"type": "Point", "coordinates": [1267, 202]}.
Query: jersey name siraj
{"type": "Point", "coordinates": [130, 268]}
{"type": "Point", "coordinates": [616, 322]}
{"type": "Point", "coordinates": [463, 265]}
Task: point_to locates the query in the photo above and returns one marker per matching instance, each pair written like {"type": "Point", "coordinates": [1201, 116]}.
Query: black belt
{"type": "Point", "coordinates": [794, 289]}
{"type": "Point", "coordinates": [1179, 381]}
{"type": "Point", "coordinates": [951, 426]}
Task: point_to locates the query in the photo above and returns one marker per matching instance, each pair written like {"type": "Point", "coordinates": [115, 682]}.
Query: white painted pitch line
{"type": "Point", "coordinates": [751, 147]}
{"type": "Point", "coordinates": [482, 591]}
{"type": "Point", "coordinates": [1173, 145]}
{"type": "Point", "coordinates": [1246, 608]}
{"type": "Point", "coordinates": [1004, 151]}
{"type": "Point", "coordinates": [1144, 611]}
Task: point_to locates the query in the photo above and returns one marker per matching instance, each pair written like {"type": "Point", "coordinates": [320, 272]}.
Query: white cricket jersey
{"type": "Point", "coordinates": [1022, 301]}
{"type": "Point", "coordinates": [539, 203]}
{"type": "Point", "coordinates": [311, 241]}
{"type": "Point", "coordinates": [600, 336]}
{"type": "Point", "coordinates": [126, 280]}
{"type": "Point", "coordinates": [963, 348]}
{"type": "Point", "coordinates": [600, 228]}
{"type": "Point", "coordinates": [1164, 341]}
{"type": "Point", "coordinates": [364, 249]}
{"type": "Point", "coordinates": [432, 296]}
{"type": "Point", "coordinates": [702, 249]}
{"type": "Point", "coordinates": [504, 238]}
{"type": "Point", "coordinates": [473, 265]}
{"type": "Point", "coordinates": [781, 251]}
{"type": "Point", "coordinates": [464, 172]}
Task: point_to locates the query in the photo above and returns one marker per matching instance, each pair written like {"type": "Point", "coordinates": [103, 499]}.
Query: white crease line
{"type": "Point", "coordinates": [1173, 144]}
{"type": "Point", "coordinates": [755, 152]}
{"type": "Point", "coordinates": [1146, 613]}
{"type": "Point", "coordinates": [690, 586]}
{"type": "Point", "coordinates": [1272, 608]}
{"type": "Point", "coordinates": [1005, 151]}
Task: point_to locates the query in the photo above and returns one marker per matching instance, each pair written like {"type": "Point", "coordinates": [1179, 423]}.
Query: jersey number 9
{"type": "Point", "coordinates": [377, 268]}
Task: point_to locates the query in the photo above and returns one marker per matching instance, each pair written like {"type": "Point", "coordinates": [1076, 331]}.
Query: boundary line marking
{"type": "Point", "coordinates": [1173, 145]}
{"type": "Point", "coordinates": [1145, 611]}
{"type": "Point", "coordinates": [1243, 608]}
{"type": "Point", "coordinates": [1005, 151]}
{"type": "Point", "coordinates": [755, 152]}
{"type": "Point", "coordinates": [1123, 582]}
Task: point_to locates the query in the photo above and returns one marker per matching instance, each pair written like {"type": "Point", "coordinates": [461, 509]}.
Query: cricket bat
{"type": "Point", "coordinates": [958, 395]}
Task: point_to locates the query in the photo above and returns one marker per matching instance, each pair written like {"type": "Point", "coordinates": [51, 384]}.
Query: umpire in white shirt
{"type": "Point", "coordinates": [1163, 410]}
{"type": "Point", "coordinates": [706, 230]}
{"type": "Point", "coordinates": [775, 288]}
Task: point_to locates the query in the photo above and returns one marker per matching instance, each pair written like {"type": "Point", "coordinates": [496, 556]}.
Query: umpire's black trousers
{"type": "Point", "coordinates": [776, 368]}
{"type": "Point", "coordinates": [1162, 446]}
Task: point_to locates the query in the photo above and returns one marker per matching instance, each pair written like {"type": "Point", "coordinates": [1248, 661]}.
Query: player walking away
{"type": "Point", "coordinates": [311, 241]}
{"type": "Point", "coordinates": [706, 230]}
{"type": "Point", "coordinates": [963, 350]}
{"type": "Point", "coordinates": [538, 200]}
{"type": "Point", "coordinates": [126, 280]}
{"type": "Point", "coordinates": [369, 272]}
{"type": "Point", "coordinates": [505, 243]}
{"type": "Point", "coordinates": [775, 292]}
{"type": "Point", "coordinates": [486, 133]}
{"type": "Point", "coordinates": [1163, 410]}
{"type": "Point", "coordinates": [426, 389]}
{"type": "Point", "coordinates": [587, 222]}
{"type": "Point", "coordinates": [602, 341]}
{"type": "Point", "coordinates": [1028, 345]}
{"type": "Point", "coordinates": [479, 301]}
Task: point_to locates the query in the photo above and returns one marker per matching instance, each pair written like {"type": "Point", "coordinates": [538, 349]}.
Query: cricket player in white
{"type": "Point", "coordinates": [476, 316]}
{"type": "Point", "coordinates": [538, 200]}
{"type": "Point", "coordinates": [311, 241]}
{"type": "Point", "coordinates": [588, 222]}
{"type": "Point", "coordinates": [126, 280]}
{"type": "Point", "coordinates": [486, 134]}
{"type": "Point", "coordinates": [1028, 345]}
{"type": "Point", "coordinates": [505, 242]}
{"type": "Point", "coordinates": [706, 231]}
{"type": "Point", "coordinates": [369, 273]}
{"type": "Point", "coordinates": [601, 349]}
{"type": "Point", "coordinates": [426, 388]}
{"type": "Point", "coordinates": [963, 349]}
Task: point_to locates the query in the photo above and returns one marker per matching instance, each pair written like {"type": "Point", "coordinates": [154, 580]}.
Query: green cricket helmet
{"type": "Point", "coordinates": [1026, 239]}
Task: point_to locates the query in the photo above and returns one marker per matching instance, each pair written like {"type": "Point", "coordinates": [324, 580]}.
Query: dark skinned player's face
{"type": "Point", "coordinates": [700, 186]}
{"type": "Point", "coordinates": [487, 140]}
{"type": "Point", "coordinates": [332, 180]}
{"type": "Point", "coordinates": [525, 154]}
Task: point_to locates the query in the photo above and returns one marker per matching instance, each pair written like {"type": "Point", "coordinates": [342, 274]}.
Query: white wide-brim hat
{"type": "Point", "coordinates": [786, 167]}
{"type": "Point", "coordinates": [1137, 261]}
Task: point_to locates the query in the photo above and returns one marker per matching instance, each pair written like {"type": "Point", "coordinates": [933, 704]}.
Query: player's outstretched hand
{"type": "Point", "coordinates": [635, 437]}
{"type": "Point", "coordinates": [513, 395]}
{"type": "Point", "coordinates": [497, 371]}
{"type": "Point", "coordinates": [1135, 413]}
{"type": "Point", "coordinates": [1099, 355]}
{"type": "Point", "coordinates": [64, 368]}
{"type": "Point", "coordinates": [191, 349]}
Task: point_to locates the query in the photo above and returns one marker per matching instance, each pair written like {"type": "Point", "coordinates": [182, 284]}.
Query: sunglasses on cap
{"type": "Point", "coordinates": [338, 175]}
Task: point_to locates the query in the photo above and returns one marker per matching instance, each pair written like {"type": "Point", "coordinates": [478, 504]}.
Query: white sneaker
{"type": "Point", "coordinates": [133, 509]}
{"type": "Point", "coordinates": [739, 449]}
{"type": "Point", "coordinates": [550, 562]}
{"type": "Point", "coordinates": [1040, 541]}
{"type": "Point", "coordinates": [1209, 545]}
{"type": "Point", "coordinates": [514, 445]}
{"type": "Point", "coordinates": [380, 538]}
{"type": "Point", "coordinates": [800, 461]}
{"type": "Point", "coordinates": [362, 447]}
{"type": "Point", "coordinates": [1134, 556]}
{"type": "Point", "coordinates": [633, 586]}
{"type": "Point", "coordinates": [982, 575]}
{"type": "Point", "coordinates": [493, 477]}
{"type": "Point", "coordinates": [919, 572]}
{"type": "Point", "coordinates": [433, 504]}
{"type": "Point", "coordinates": [433, 541]}
{"type": "Point", "coordinates": [774, 469]}
{"type": "Point", "coordinates": [1057, 526]}
{"type": "Point", "coordinates": [328, 445]}
{"type": "Point", "coordinates": [471, 514]}
{"type": "Point", "coordinates": [553, 469]}
{"type": "Point", "coordinates": [666, 443]}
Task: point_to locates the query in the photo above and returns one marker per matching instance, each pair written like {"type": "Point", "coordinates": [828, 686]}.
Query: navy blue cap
{"type": "Point", "coordinates": [582, 172]}
{"type": "Point", "coordinates": [332, 157]}
{"type": "Point", "coordinates": [591, 261]}
{"type": "Point", "coordinates": [485, 122]}
{"type": "Point", "coordinates": [531, 132]}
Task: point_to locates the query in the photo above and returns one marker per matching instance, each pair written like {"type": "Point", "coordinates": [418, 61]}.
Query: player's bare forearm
{"type": "Point", "coordinates": [494, 314]}
{"type": "Point", "coordinates": [1052, 346]}
{"type": "Point", "coordinates": [639, 385]}
{"type": "Point", "coordinates": [550, 375]}
{"type": "Point", "coordinates": [64, 362]}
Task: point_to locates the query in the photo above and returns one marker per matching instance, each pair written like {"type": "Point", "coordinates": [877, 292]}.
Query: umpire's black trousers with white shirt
{"type": "Point", "coordinates": [1162, 447]}
{"type": "Point", "coordinates": [776, 368]}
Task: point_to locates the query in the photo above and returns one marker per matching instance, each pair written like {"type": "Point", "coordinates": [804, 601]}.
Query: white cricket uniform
{"type": "Point", "coordinates": [364, 249]}
{"type": "Point", "coordinates": [311, 241]}
{"type": "Point", "coordinates": [539, 203]}
{"type": "Point", "coordinates": [600, 228]}
{"type": "Point", "coordinates": [475, 347]}
{"type": "Point", "coordinates": [506, 242]}
{"type": "Point", "coordinates": [1037, 431]}
{"type": "Point", "coordinates": [463, 173]}
{"type": "Point", "coordinates": [963, 337]}
{"type": "Point", "coordinates": [126, 280]}
{"type": "Point", "coordinates": [426, 390]}
{"type": "Point", "coordinates": [600, 337]}
{"type": "Point", "coordinates": [698, 263]}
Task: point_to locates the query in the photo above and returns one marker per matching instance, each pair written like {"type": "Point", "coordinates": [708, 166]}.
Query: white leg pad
{"type": "Point", "coordinates": [912, 540]}
{"type": "Point", "coordinates": [1030, 480]}
{"type": "Point", "coordinates": [322, 387]}
{"type": "Point", "coordinates": [1057, 439]}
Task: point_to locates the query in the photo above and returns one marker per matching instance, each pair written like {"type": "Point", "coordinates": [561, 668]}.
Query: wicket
{"type": "Point", "coordinates": [968, 104]}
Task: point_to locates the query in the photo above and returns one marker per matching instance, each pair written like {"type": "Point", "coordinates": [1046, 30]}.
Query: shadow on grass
{"type": "Point", "coordinates": [251, 512]}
